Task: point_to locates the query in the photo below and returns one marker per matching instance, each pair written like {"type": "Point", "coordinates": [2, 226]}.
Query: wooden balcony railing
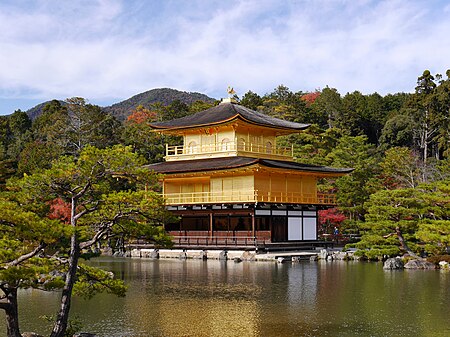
{"type": "Point", "coordinates": [241, 241]}
{"type": "Point", "coordinates": [227, 149]}
{"type": "Point", "coordinates": [220, 238]}
{"type": "Point", "coordinates": [249, 197]}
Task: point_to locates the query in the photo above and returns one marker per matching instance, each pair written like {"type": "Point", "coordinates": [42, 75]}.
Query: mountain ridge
{"type": "Point", "coordinates": [165, 96]}
{"type": "Point", "coordinates": [121, 110]}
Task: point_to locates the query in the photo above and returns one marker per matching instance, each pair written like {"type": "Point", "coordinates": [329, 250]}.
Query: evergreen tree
{"type": "Point", "coordinates": [354, 189]}
{"type": "Point", "coordinates": [109, 194]}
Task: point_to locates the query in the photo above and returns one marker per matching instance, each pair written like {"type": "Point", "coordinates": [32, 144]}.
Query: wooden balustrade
{"type": "Point", "coordinates": [249, 196]}
{"type": "Point", "coordinates": [218, 240]}
{"type": "Point", "coordinates": [228, 148]}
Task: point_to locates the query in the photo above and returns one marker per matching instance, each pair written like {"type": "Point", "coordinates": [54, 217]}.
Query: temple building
{"type": "Point", "coordinates": [232, 185]}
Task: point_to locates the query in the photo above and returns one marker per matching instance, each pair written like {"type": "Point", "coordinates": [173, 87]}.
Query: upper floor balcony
{"type": "Point", "coordinates": [249, 197]}
{"type": "Point", "coordinates": [228, 148]}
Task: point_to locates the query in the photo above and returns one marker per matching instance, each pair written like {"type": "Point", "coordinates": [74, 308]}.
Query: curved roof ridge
{"type": "Point", "coordinates": [225, 112]}
{"type": "Point", "coordinates": [224, 163]}
{"type": "Point", "coordinates": [305, 167]}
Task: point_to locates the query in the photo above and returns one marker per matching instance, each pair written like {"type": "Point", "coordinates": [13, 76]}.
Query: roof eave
{"type": "Point", "coordinates": [237, 116]}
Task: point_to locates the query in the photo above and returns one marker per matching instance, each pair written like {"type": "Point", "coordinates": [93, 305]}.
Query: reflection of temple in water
{"type": "Point", "coordinates": [218, 298]}
{"type": "Point", "coordinates": [303, 285]}
{"type": "Point", "coordinates": [198, 298]}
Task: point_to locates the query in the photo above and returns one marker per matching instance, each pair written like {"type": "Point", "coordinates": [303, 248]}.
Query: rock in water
{"type": "Point", "coordinates": [323, 254]}
{"type": "Point", "coordinates": [248, 256]}
{"type": "Point", "coordinates": [419, 264]}
{"type": "Point", "coordinates": [223, 255]}
{"type": "Point", "coordinates": [393, 263]}
{"type": "Point", "coordinates": [443, 265]}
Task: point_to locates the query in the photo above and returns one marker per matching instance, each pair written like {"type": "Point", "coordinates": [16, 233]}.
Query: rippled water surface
{"type": "Point", "coordinates": [216, 298]}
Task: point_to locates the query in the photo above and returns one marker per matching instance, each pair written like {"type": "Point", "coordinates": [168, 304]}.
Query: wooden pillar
{"type": "Point", "coordinates": [210, 225]}
{"type": "Point", "coordinates": [253, 225]}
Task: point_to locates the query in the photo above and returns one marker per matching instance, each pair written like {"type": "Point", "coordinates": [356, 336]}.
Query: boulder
{"type": "Point", "coordinates": [223, 255]}
{"type": "Point", "coordinates": [340, 255]}
{"type": "Point", "coordinates": [144, 253]}
{"type": "Point", "coordinates": [154, 254]}
{"type": "Point", "coordinates": [393, 263]}
{"type": "Point", "coordinates": [323, 254]}
{"type": "Point", "coordinates": [136, 253]}
{"type": "Point", "coordinates": [419, 264]}
{"type": "Point", "coordinates": [249, 256]}
{"type": "Point", "coordinates": [443, 265]}
{"type": "Point", "coordinates": [313, 258]}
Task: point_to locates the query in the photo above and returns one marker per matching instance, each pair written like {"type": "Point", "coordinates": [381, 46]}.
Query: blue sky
{"type": "Point", "coordinates": [108, 51]}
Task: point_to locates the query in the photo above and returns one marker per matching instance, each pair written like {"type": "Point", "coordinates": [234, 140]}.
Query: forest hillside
{"type": "Point", "coordinates": [123, 109]}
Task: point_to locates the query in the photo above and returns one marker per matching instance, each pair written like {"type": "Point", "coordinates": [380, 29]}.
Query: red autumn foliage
{"type": "Point", "coordinates": [142, 115]}
{"type": "Point", "coordinates": [331, 216]}
{"type": "Point", "coordinates": [311, 97]}
{"type": "Point", "coordinates": [59, 209]}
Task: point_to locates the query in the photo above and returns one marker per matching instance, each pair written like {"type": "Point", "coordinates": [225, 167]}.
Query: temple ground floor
{"type": "Point", "coordinates": [264, 226]}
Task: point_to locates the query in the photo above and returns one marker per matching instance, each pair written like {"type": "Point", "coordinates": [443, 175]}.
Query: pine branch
{"type": "Point", "coordinates": [26, 256]}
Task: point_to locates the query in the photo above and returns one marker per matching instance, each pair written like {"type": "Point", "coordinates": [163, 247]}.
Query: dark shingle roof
{"type": "Point", "coordinates": [225, 112]}
{"type": "Point", "coordinates": [226, 163]}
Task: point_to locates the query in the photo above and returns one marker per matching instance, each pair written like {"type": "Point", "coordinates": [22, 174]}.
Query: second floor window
{"type": "Point", "coordinates": [269, 147]}
{"type": "Point", "coordinates": [225, 144]}
{"type": "Point", "coordinates": [241, 144]}
{"type": "Point", "coordinates": [192, 147]}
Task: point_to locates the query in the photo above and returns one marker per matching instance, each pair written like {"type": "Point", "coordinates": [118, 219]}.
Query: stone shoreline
{"type": "Point", "coordinates": [240, 255]}
{"type": "Point", "coordinates": [280, 257]}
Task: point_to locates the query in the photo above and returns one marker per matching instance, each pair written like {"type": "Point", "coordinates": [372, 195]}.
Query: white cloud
{"type": "Point", "coordinates": [112, 50]}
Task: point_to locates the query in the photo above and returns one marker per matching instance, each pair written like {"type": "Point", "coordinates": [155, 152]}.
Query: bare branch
{"type": "Point", "coordinates": [59, 259]}
{"type": "Point", "coordinates": [87, 211]}
{"type": "Point", "coordinates": [97, 237]}
{"type": "Point", "coordinates": [26, 256]}
{"type": "Point", "coordinates": [83, 190]}
{"type": "Point", "coordinates": [103, 230]}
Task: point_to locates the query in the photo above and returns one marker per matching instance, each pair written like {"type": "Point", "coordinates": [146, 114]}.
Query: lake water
{"type": "Point", "coordinates": [218, 298]}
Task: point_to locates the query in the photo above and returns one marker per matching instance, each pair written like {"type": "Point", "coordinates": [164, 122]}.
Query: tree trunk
{"type": "Point", "coordinates": [403, 243]}
{"type": "Point", "coordinates": [12, 313]}
{"type": "Point", "coordinates": [62, 319]}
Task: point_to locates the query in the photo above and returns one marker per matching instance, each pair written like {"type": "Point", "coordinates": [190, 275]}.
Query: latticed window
{"type": "Point", "coordinates": [226, 144]}
{"type": "Point", "coordinates": [241, 144]}
{"type": "Point", "coordinates": [269, 147]}
{"type": "Point", "coordinates": [192, 147]}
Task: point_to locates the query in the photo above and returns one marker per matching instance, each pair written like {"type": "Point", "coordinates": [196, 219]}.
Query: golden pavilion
{"type": "Point", "coordinates": [232, 185]}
